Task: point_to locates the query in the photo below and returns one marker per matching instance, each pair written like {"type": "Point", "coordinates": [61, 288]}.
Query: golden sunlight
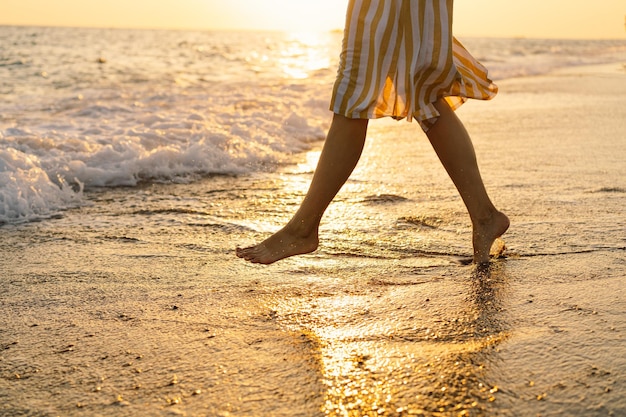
{"type": "Point", "coordinates": [505, 18]}
{"type": "Point", "coordinates": [288, 15]}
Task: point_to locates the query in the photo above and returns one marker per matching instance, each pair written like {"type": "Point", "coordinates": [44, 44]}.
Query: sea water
{"type": "Point", "coordinates": [86, 108]}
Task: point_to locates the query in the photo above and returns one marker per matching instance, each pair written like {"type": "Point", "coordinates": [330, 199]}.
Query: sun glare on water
{"type": "Point", "coordinates": [303, 55]}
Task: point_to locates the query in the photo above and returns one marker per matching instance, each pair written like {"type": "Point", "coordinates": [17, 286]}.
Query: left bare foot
{"type": "Point", "coordinates": [280, 245]}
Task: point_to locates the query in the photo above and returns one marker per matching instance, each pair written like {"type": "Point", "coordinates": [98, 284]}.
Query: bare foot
{"type": "Point", "coordinates": [485, 233]}
{"type": "Point", "coordinates": [280, 245]}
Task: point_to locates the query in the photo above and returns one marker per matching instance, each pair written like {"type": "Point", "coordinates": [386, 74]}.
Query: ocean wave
{"type": "Point", "coordinates": [28, 193]}
{"type": "Point", "coordinates": [99, 141]}
{"type": "Point", "coordinates": [511, 58]}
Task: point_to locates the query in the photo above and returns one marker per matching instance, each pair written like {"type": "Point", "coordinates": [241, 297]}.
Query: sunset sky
{"type": "Point", "coordinates": [529, 18]}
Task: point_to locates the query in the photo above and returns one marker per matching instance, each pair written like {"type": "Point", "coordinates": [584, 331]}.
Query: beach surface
{"type": "Point", "coordinates": [135, 304]}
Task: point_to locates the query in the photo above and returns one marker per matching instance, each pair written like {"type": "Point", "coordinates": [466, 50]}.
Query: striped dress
{"type": "Point", "coordinates": [399, 57]}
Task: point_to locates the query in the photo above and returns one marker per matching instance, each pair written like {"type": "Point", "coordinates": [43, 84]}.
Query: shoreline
{"type": "Point", "coordinates": [137, 305]}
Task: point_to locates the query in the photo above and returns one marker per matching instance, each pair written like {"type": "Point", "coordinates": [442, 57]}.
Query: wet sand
{"type": "Point", "coordinates": [136, 304]}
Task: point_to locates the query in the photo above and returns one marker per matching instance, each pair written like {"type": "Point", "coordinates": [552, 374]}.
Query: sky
{"type": "Point", "coordinates": [499, 18]}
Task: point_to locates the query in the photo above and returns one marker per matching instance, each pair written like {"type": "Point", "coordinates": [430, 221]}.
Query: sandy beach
{"type": "Point", "coordinates": [135, 304]}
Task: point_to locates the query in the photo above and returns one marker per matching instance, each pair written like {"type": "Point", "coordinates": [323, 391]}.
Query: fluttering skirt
{"type": "Point", "coordinates": [399, 57]}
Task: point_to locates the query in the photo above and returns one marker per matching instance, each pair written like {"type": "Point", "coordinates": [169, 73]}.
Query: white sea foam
{"type": "Point", "coordinates": [27, 192]}
{"type": "Point", "coordinates": [97, 142]}
{"type": "Point", "coordinates": [96, 107]}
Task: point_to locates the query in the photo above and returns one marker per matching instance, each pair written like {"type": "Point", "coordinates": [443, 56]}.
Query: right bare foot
{"type": "Point", "coordinates": [485, 232]}
{"type": "Point", "coordinates": [280, 245]}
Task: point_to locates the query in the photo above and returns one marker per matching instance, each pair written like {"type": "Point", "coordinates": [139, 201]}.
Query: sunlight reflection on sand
{"type": "Point", "coordinates": [383, 355]}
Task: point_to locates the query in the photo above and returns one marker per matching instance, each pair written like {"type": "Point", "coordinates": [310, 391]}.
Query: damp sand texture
{"type": "Point", "coordinates": [136, 305]}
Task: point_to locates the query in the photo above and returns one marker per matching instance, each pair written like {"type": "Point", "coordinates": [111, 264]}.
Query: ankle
{"type": "Point", "coordinates": [301, 228]}
{"type": "Point", "coordinates": [495, 223]}
{"type": "Point", "coordinates": [485, 216]}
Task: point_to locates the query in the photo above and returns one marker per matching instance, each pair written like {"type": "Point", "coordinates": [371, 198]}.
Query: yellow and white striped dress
{"type": "Point", "coordinates": [399, 57]}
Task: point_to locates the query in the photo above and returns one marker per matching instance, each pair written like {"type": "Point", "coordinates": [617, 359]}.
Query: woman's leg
{"type": "Point", "coordinates": [340, 154]}
{"type": "Point", "coordinates": [456, 152]}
